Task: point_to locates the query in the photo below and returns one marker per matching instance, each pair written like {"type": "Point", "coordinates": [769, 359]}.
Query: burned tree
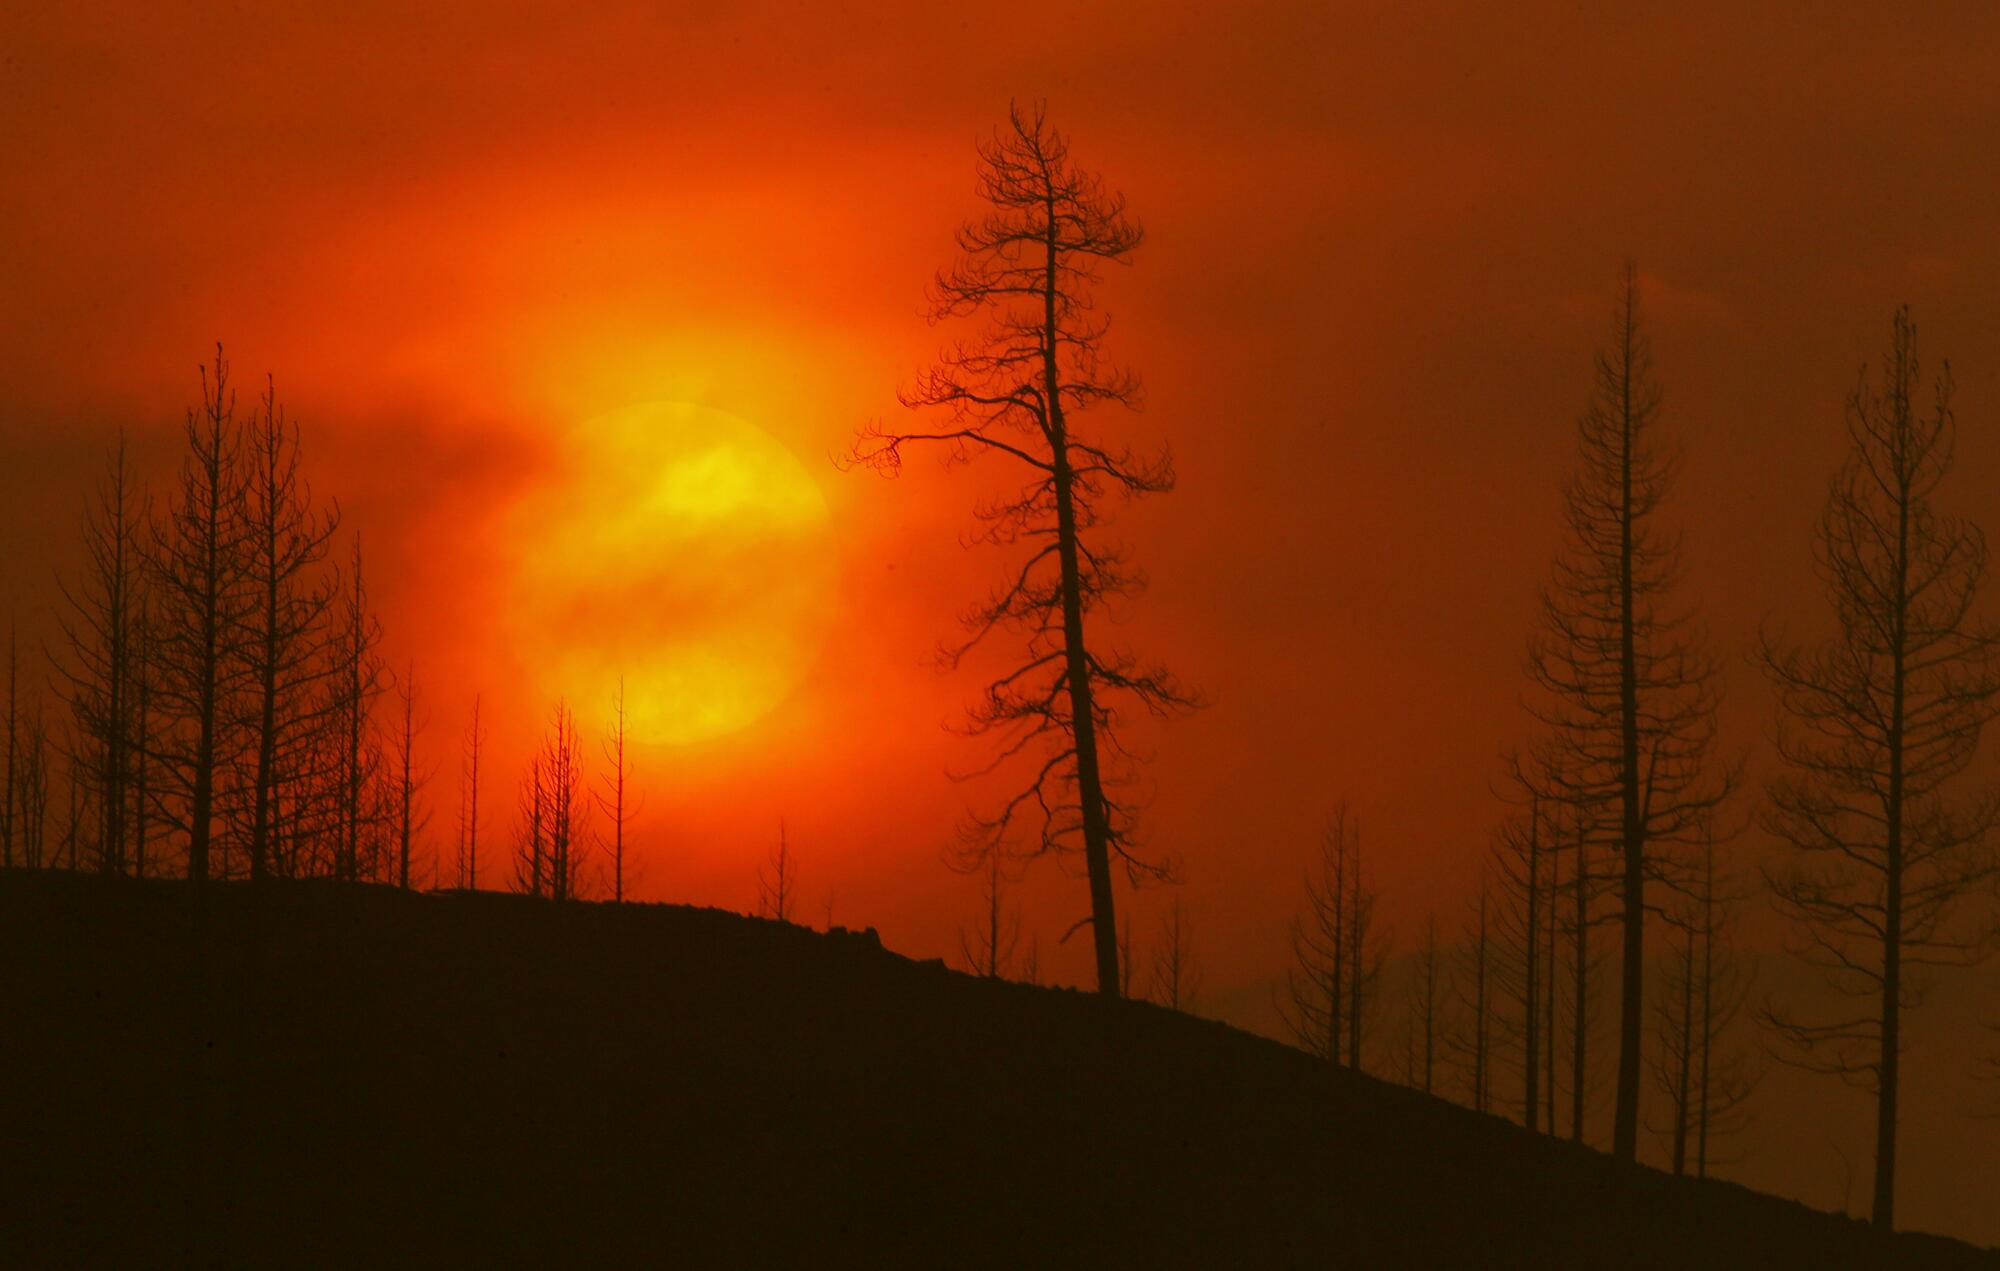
{"type": "Point", "coordinates": [468, 806]}
{"type": "Point", "coordinates": [1336, 961]}
{"type": "Point", "coordinates": [410, 778]}
{"type": "Point", "coordinates": [354, 684]}
{"type": "Point", "coordinates": [1874, 724]}
{"type": "Point", "coordinates": [285, 538]}
{"type": "Point", "coordinates": [1426, 1006]}
{"type": "Point", "coordinates": [778, 881]}
{"type": "Point", "coordinates": [989, 946]}
{"type": "Point", "coordinates": [1474, 988]}
{"type": "Point", "coordinates": [1015, 391]}
{"type": "Point", "coordinates": [1176, 970]}
{"type": "Point", "coordinates": [554, 831]}
{"type": "Point", "coordinates": [198, 578]}
{"type": "Point", "coordinates": [97, 663]}
{"type": "Point", "coordinates": [1627, 690]}
{"type": "Point", "coordinates": [1703, 1081]}
{"type": "Point", "coordinates": [614, 799]}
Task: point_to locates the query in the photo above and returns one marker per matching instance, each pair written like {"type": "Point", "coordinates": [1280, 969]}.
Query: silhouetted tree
{"type": "Point", "coordinates": [563, 804]}
{"type": "Point", "coordinates": [1176, 970]}
{"type": "Point", "coordinates": [468, 808]}
{"type": "Point", "coordinates": [143, 721]}
{"type": "Point", "coordinates": [613, 799]}
{"type": "Point", "coordinates": [1426, 1007]}
{"type": "Point", "coordinates": [1523, 852]}
{"type": "Point", "coordinates": [1367, 954]}
{"type": "Point", "coordinates": [8, 823]}
{"type": "Point", "coordinates": [1873, 725]}
{"type": "Point", "coordinates": [410, 778]}
{"type": "Point", "coordinates": [285, 538]}
{"type": "Point", "coordinates": [1474, 987]}
{"type": "Point", "coordinates": [96, 663]}
{"type": "Point", "coordinates": [1335, 961]}
{"type": "Point", "coordinates": [354, 685]}
{"type": "Point", "coordinates": [198, 576]}
{"type": "Point", "coordinates": [1028, 268]}
{"type": "Point", "coordinates": [778, 883]}
{"type": "Point", "coordinates": [1629, 693]}
{"type": "Point", "coordinates": [1703, 988]}
{"type": "Point", "coordinates": [31, 784]}
{"type": "Point", "coordinates": [989, 946]}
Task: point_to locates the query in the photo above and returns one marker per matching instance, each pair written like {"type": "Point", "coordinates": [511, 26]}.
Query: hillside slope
{"type": "Point", "coordinates": [322, 1075]}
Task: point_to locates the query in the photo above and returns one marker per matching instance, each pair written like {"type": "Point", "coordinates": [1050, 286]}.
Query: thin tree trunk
{"type": "Point", "coordinates": [1625, 1124]}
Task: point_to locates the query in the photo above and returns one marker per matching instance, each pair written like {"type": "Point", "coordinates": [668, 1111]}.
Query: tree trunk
{"type": "Point", "coordinates": [1625, 1124]}
{"type": "Point", "coordinates": [1083, 711]}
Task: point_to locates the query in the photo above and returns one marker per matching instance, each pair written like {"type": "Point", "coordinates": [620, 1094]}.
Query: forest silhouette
{"type": "Point", "coordinates": [289, 1013]}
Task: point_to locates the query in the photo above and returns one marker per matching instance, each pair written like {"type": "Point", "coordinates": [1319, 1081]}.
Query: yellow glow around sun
{"type": "Point", "coordinates": [684, 549]}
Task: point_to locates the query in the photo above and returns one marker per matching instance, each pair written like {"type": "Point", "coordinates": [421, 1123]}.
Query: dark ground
{"type": "Point", "coordinates": [324, 1075]}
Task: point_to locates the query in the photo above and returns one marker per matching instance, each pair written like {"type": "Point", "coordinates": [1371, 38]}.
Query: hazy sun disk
{"type": "Point", "coordinates": [684, 549]}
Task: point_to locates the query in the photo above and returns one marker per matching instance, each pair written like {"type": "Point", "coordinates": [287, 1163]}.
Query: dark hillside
{"type": "Point", "coordinates": [322, 1075]}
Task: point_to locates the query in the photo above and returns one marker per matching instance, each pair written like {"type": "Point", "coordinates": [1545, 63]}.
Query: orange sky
{"type": "Point", "coordinates": [1381, 243]}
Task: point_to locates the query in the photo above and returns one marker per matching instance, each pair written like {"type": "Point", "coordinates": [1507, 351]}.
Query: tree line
{"type": "Point", "coordinates": [1615, 880]}
{"type": "Point", "coordinates": [215, 703]}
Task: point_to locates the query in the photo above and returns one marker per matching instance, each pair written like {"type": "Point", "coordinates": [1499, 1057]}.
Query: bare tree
{"type": "Point", "coordinates": [197, 573]}
{"type": "Point", "coordinates": [1475, 989]}
{"type": "Point", "coordinates": [1176, 969]}
{"type": "Point", "coordinates": [1704, 1081]}
{"type": "Point", "coordinates": [989, 946]}
{"type": "Point", "coordinates": [8, 823]}
{"type": "Point", "coordinates": [563, 804]}
{"type": "Point", "coordinates": [778, 883]}
{"type": "Point", "coordinates": [411, 819]}
{"type": "Point", "coordinates": [614, 798]}
{"type": "Point", "coordinates": [1628, 692]}
{"type": "Point", "coordinates": [1336, 962]}
{"type": "Point", "coordinates": [31, 785]}
{"type": "Point", "coordinates": [1873, 726]}
{"type": "Point", "coordinates": [1426, 1005]}
{"type": "Point", "coordinates": [1523, 853]}
{"type": "Point", "coordinates": [468, 808]}
{"type": "Point", "coordinates": [285, 539]}
{"type": "Point", "coordinates": [1029, 267]}
{"type": "Point", "coordinates": [97, 656]}
{"type": "Point", "coordinates": [355, 769]}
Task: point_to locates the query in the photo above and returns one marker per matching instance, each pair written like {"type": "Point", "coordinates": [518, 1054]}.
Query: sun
{"type": "Point", "coordinates": [683, 550]}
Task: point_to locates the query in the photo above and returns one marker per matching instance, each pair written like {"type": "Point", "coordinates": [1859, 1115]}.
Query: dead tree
{"type": "Point", "coordinates": [1470, 1042]}
{"type": "Point", "coordinates": [614, 799]}
{"type": "Point", "coordinates": [560, 772]}
{"type": "Point", "coordinates": [1367, 955]}
{"type": "Point", "coordinates": [98, 653]}
{"type": "Point", "coordinates": [988, 948]}
{"type": "Point", "coordinates": [1522, 853]}
{"type": "Point", "coordinates": [1176, 970]}
{"type": "Point", "coordinates": [31, 785]}
{"type": "Point", "coordinates": [411, 819]}
{"type": "Point", "coordinates": [285, 539]}
{"type": "Point", "coordinates": [8, 823]}
{"type": "Point", "coordinates": [1627, 689]}
{"type": "Point", "coordinates": [468, 806]}
{"type": "Point", "coordinates": [197, 575]}
{"type": "Point", "coordinates": [1704, 1081]}
{"type": "Point", "coordinates": [1426, 1004]}
{"type": "Point", "coordinates": [531, 852]}
{"type": "Point", "coordinates": [1874, 724]}
{"type": "Point", "coordinates": [778, 881]}
{"type": "Point", "coordinates": [354, 684]}
{"type": "Point", "coordinates": [1014, 390]}
{"type": "Point", "coordinates": [1336, 957]}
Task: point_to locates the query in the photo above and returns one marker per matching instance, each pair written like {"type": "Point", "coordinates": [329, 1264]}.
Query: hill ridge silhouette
{"type": "Point", "coordinates": [327, 1074]}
